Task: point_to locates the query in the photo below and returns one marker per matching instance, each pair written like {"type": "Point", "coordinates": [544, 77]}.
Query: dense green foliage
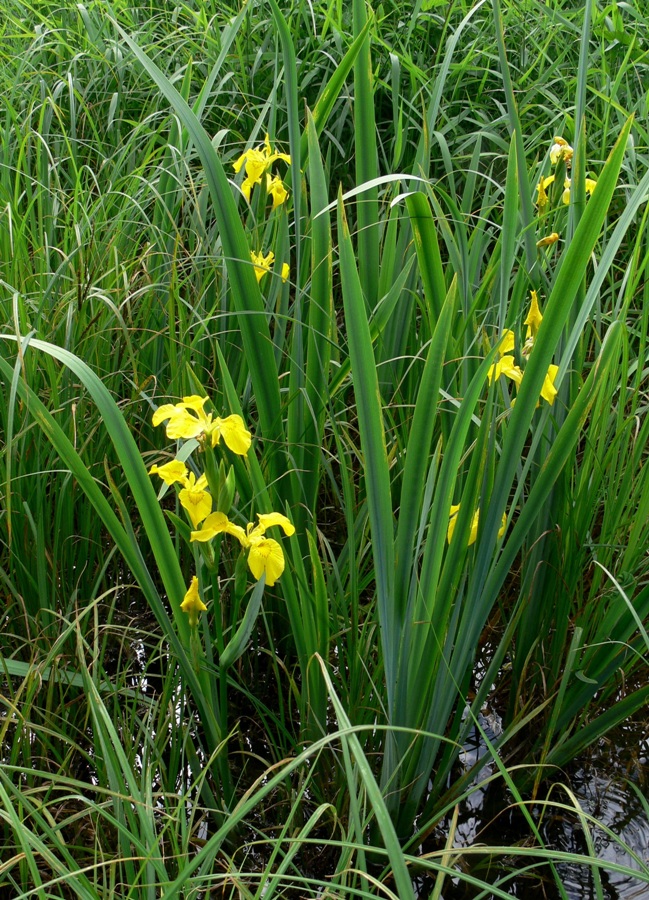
{"type": "Point", "coordinates": [306, 735]}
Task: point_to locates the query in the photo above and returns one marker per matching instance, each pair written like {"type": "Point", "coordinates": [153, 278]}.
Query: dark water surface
{"type": "Point", "coordinates": [609, 785]}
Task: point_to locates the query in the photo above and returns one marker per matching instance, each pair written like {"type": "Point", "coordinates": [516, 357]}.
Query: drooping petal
{"type": "Point", "coordinates": [198, 504]}
{"type": "Point", "coordinates": [192, 603]}
{"type": "Point", "coordinates": [505, 366]}
{"type": "Point", "coordinates": [234, 433]}
{"type": "Point", "coordinates": [541, 192]}
{"type": "Point", "coordinates": [256, 165]}
{"type": "Point", "coordinates": [275, 188]}
{"type": "Point", "coordinates": [506, 344]}
{"type": "Point", "coordinates": [172, 472]}
{"type": "Point", "coordinates": [238, 163]}
{"type": "Point", "coordinates": [286, 271]}
{"type": "Point", "coordinates": [266, 556]}
{"type": "Point", "coordinates": [246, 188]}
{"type": "Point", "coordinates": [548, 391]}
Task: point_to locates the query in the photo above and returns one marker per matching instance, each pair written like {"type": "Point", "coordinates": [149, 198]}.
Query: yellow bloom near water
{"type": "Point", "coordinates": [265, 555]}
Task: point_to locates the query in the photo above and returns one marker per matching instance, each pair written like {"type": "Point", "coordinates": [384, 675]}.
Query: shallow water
{"type": "Point", "coordinates": [608, 784]}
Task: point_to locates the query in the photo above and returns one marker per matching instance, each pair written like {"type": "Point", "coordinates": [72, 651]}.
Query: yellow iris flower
{"type": "Point", "coordinates": [275, 189]}
{"type": "Point", "coordinates": [542, 199]}
{"type": "Point", "coordinates": [560, 149]}
{"type": "Point", "coordinates": [193, 497]}
{"type": "Point", "coordinates": [192, 604]}
{"type": "Point", "coordinates": [506, 365]}
{"type": "Point", "coordinates": [265, 556]}
{"type": "Point", "coordinates": [188, 420]}
{"type": "Point", "coordinates": [257, 163]}
{"type": "Point", "coordinates": [262, 263]}
{"type": "Point", "coordinates": [590, 187]}
{"type": "Point", "coordinates": [533, 322]}
{"type": "Point", "coordinates": [475, 521]}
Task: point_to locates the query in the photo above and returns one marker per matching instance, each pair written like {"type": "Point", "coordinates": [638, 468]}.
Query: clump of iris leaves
{"type": "Point", "coordinates": [316, 759]}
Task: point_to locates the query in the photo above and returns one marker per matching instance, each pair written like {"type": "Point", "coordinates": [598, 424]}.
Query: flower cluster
{"type": "Point", "coordinates": [257, 163]}
{"type": "Point", "coordinates": [560, 151]}
{"type": "Point", "coordinates": [506, 364]}
{"type": "Point", "coordinates": [187, 420]}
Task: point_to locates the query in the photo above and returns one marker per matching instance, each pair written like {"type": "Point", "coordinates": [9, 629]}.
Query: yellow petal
{"type": "Point", "coordinates": [506, 344]}
{"type": "Point", "coordinates": [234, 433]}
{"type": "Point", "coordinates": [215, 523]}
{"type": "Point", "coordinates": [246, 188]}
{"type": "Point", "coordinates": [507, 367]}
{"type": "Point", "coordinates": [560, 149]}
{"type": "Point", "coordinates": [534, 317]}
{"type": "Point", "coordinates": [286, 271]}
{"type": "Point", "coordinates": [262, 263]}
{"type": "Point", "coordinates": [267, 520]}
{"type": "Point", "coordinates": [198, 504]}
{"type": "Point", "coordinates": [548, 240]}
{"type": "Point", "coordinates": [473, 533]}
{"type": "Point", "coordinates": [164, 412]}
{"type": "Point", "coordinates": [541, 191]}
{"type": "Point", "coordinates": [275, 187]}
{"type": "Point", "coordinates": [256, 165]}
{"type": "Point", "coordinates": [192, 603]}
{"type": "Point", "coordinates": [238, 163]}
{"type": "Point", "coordinates": [171, 472]}
{"type": "Point", "coordinates": [184, 425]}
{"type": "Point", "coordinates": [266, 556]}
{"type": "Point", "coordinates": [548, 391]}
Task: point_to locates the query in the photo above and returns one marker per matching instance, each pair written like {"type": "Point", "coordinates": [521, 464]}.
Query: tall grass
{"type": "Point", "coordinates": [327, 711]}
